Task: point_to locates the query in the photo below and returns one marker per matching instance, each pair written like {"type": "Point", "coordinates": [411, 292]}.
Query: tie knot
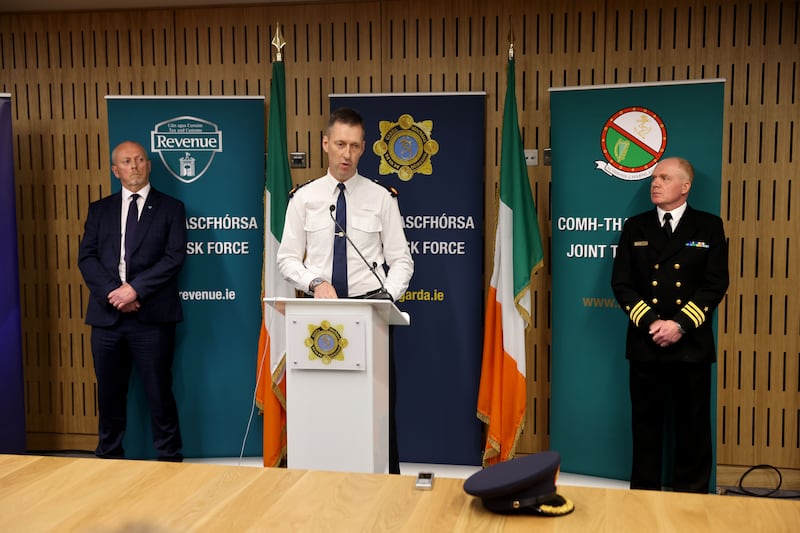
{"type": "Point", "coordinates": [341, 187]}
{"type": "Point", "coordinates": [667, 218]}
{"type": "Point", "coordinates": [134, 197]}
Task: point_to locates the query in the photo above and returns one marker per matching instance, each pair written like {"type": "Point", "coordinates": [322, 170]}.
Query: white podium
{"type": "Point", "coordinates": [337, 382]}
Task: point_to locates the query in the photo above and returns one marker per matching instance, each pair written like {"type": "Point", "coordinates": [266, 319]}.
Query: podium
{"type": "Point", "coordinates": [337, 382]}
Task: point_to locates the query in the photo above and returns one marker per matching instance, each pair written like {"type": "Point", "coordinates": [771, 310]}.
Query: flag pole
{"type": "Point", "coordinates": [278, 42]}
{"type": "Point", "coordinates": [270, 381]}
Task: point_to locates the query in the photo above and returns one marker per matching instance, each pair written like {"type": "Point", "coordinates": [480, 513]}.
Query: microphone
{"type": "Point", "coordinates": [380, 294]}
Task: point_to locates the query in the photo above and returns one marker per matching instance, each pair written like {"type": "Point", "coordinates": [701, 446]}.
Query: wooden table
{"type": "Point", "coordinates": [93, 495]}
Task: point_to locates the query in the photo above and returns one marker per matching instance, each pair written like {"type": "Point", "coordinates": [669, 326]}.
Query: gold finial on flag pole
{"type": "Point", "coordinates": [510, 39]}
{"type": "Point", "coordinates": [278, 42]}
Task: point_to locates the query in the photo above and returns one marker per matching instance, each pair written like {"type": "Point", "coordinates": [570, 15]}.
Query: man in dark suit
{"type": "Point", "coordinates": [670, 273]}
{"type": "Point", "coordinates": [133, 247]}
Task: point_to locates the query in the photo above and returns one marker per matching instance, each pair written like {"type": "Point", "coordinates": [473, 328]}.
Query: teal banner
{"type": "Point", "coordinates": [209, 153]}
{"type": "Point", "coordinates": [593, 129]}
{"type": "Point", "coordinates": [12, 414]}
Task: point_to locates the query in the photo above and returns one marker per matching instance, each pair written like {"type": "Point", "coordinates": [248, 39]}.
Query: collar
{"type": "Point", "coordinates": [676, 213]}
{"type": "Point", "coordinates": [351, 183]}
{"type": "Point", "coordinates": [143, 192]}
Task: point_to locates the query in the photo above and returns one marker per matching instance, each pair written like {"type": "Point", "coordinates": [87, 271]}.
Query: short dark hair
{"type": "Point", "coordinates": [345, 115]}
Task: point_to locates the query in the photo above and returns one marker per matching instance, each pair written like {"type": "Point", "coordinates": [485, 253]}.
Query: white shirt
{"type": "Point", "coordinates": [676, 213]}
{"type": "Point", "coordinates": [374, 225]}
{"type": "Point", "coordinates": [126, 204]}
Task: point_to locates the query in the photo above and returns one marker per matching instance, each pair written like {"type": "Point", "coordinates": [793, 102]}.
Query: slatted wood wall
{"type": "Point", "coordinates": [58, 67]}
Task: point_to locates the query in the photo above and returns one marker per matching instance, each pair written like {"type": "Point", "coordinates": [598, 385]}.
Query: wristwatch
{"type": "Point", "coordinates": [316, 282]}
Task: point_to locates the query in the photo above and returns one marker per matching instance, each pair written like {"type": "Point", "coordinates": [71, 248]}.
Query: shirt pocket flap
{"type": "Point", "coordinates": [366, 223]}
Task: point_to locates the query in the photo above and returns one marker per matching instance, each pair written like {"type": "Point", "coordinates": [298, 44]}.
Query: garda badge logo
{"type": "Point", "coordinates": [325, 342]}
{"type": "Point", "coordinates": [633, 140]}
{"type": "Point", "coordinates": [406, 147]}
{"type": "Point", "coordinates": [186, 145]}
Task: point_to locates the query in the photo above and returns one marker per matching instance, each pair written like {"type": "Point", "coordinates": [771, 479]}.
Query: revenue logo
{"type": "Point", "coordinates": [633, 140]}
{"type": "Point", "coordinates": [186, 145]}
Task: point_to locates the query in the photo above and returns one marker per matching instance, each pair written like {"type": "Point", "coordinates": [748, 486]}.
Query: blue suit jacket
{"type": "Point", "coordinates": [153, 268]}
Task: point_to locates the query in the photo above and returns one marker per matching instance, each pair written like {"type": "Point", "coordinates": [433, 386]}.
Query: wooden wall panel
{"type": "Point", "coordinates": [329, 49]}
{"type": "Point", "coordinates": [58, 67]}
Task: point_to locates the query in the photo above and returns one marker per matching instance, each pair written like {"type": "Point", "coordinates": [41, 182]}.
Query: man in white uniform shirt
{"type": "Point", "coordinates": [373, 224]}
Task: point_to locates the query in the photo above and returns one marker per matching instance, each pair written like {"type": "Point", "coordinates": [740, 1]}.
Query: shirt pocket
{"type": "Point", "coordinates": [366, 224]}
{"type": "Point", "coordinates": [319, 228]}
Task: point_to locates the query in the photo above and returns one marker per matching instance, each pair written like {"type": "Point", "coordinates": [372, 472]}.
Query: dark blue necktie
{"type": "Point", "coordinates": [339, 276]}
{"type": "Point", "coordinates": [130, 225]}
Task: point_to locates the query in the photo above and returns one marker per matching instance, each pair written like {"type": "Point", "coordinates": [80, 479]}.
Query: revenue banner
{"type": "Point", "coordinates": [605, 142]}
{"type": "Point", "coordinates": [430, 147]}
{"type": "Point", "coordinates": [208, 152]}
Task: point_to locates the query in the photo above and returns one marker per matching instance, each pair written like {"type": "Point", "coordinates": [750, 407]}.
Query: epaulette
{"type": "Point", "coordinates": [389, 188]}
{"type": "Point", "coordinates": [298, 187]}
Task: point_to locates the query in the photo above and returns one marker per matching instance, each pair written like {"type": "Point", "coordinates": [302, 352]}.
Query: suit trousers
{"type": "Point", "coordinates": [685, 388]}
{"type": "Point", "coordinates": [151, 348]}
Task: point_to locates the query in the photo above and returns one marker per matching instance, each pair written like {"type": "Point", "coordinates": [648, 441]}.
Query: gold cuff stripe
{"type": "Point", "coordinates": [638, 311]}
{"type": "Point", "coordinates": [695, 313]}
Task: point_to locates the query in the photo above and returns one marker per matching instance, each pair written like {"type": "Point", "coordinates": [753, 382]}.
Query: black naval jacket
{"type": "Point", "coordinates": [682, 278]}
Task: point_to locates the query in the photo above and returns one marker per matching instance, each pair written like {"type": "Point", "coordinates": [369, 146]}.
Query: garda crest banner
{"type": "Point", "coordinates": [606, 140]}
{"type": "Point", "coordinates": [12, 413]}
{"type": "Point", "coordinates": [209, 153]}
{"type": "Point", "coordinates": [430, 147]}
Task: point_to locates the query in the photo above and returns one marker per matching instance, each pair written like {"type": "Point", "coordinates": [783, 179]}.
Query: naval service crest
{"type": "Point", "coordinates": [186, 145]}
{"type": "Point", "coordinates": [406, 147]}
{"type": "Point", "coordinates": [633, 140]}
{"type": "Point", "coordinates": [325, 342]}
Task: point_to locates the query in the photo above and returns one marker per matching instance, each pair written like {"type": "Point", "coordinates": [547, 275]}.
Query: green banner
{"type": "Point", "coordinates": [208, 152]}
{"type": "Point", "coordinates": [593, 129]}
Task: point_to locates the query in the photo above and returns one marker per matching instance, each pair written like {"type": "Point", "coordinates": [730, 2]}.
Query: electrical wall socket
{"type": "Point", "coordinates": [297, 159]}
{"type": "Point", "coordinates": [531, 157]}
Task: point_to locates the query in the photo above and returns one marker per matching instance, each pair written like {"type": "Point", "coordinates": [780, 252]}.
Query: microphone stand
{"type": "Point", "coordinates": [382, 293]}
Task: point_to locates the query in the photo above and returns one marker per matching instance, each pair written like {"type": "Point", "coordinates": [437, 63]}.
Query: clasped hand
{"type": "Point", "coordinates": [665, 332]}
{"type": "Point", "coordinates": [123, 298]}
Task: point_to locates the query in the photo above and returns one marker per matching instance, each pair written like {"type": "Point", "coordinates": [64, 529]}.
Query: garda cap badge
{"type": "Point", "coordinates": [186, 146]}
{"type": "Point", "coordinates": [406, 147]}
{"type": "Point", "coordinates": [325, 342]}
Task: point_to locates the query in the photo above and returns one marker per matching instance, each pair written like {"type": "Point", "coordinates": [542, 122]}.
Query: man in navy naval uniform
{"type": "Point", "coordinates": [670, 273]}
{"type": "Point", "coordinates": [132, 250]}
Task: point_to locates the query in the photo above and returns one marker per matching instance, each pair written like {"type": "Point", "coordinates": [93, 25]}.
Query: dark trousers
{"type": "Point", "coordinates": [686, 389]}
{"type": "Point", "coordinates": [151, 348]}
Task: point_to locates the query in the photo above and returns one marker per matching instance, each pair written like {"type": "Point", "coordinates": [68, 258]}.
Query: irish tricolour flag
{"type": "Point", "coordinates": [517, 255]}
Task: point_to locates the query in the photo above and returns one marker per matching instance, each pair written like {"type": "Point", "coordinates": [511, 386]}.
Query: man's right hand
{"type": "Point", "coordinates": [325, 290]}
